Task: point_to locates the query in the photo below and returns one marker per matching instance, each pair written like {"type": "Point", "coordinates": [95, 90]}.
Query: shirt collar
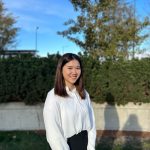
{"type": "Point", "coordinates": [70, 91]}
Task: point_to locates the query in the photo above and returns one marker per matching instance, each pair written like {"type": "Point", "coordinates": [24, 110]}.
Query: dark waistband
{"type": "Point", "coordinates": [82, 133]}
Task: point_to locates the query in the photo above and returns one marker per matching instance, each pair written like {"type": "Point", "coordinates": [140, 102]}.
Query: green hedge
{"type": "Point", "coordinates": [28, 79]}
{"type": "Point", "coordinates": [118, 81]}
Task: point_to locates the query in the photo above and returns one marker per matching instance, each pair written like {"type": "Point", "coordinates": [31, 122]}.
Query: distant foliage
{"type": "Point", "coordinates": [29, 79]}
{"type": "Point", "coordinates": [108, 28]}
{"type": "Point", "coordinates": [8, 31]}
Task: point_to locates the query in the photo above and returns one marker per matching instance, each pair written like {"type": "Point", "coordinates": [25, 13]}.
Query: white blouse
{"type": "Point", "coordinates": [67, 116]}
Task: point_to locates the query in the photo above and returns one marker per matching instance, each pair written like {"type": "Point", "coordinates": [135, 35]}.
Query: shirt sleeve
{"type": "Point", "coordinates": [52, 121]}
{"type": "Point", "coordinates": [92, 131]}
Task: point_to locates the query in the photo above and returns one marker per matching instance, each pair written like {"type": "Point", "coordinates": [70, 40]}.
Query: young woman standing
{"type": "Point", "coordinates": [68, 113]}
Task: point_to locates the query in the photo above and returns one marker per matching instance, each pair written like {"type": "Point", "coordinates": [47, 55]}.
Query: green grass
{"type": "Point", "coordinates": [124, 143]}
{"type": "Point", "coordinates": [23, 140]}
{"type": "Point", "coordinates": [30, 140]}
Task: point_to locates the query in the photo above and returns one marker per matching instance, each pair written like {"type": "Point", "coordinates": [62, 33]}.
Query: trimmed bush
{"type": "Point", "coordinates": [119, 81]}
{"type": "Point", "coordinates": [28, 79]}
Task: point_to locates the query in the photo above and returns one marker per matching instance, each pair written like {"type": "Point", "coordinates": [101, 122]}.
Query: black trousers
{"type": "Point", "coordinates": [78, 141]}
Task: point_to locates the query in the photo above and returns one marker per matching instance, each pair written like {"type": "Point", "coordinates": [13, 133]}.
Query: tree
{"type": "Point", "coordinates": [7, 29]}
{"type": "Point", "coordinates": [107, 28]}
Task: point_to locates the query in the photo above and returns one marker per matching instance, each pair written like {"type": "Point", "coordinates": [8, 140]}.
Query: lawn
{"type": "Point", "coordinates": [23, 140]}
{"type": "Point", "coordinates": [123, 143]}
{"type": "Point", "coordinates": [30, 140]}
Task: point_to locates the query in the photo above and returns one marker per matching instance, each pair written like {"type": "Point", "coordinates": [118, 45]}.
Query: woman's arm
{"type": "Point", "coordinates": [52, 120]}
{"type": "Point", "coordinates": [92, 132]}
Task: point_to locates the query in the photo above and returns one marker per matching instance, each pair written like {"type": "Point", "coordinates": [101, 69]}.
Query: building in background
{"type": "Point", "coordinates": [13, 53]}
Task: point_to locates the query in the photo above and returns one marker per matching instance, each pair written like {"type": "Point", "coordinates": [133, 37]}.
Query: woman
{"type": "Point", "coordinates": [68, 114]}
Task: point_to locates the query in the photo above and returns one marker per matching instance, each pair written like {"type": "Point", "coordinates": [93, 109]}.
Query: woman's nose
{"type": "Point", "coordinates": [74, 71]}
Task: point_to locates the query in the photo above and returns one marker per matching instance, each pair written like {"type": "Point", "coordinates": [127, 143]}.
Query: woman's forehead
{"type": "Point", "coordinates": [73, 62]}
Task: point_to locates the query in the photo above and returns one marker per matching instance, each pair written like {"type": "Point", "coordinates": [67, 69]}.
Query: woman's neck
{"type": "Point", "coordinates": [71, 87]}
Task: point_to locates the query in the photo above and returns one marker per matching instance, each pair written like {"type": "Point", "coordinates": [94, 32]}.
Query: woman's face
{"type": "Point", "coordinates": [71, 72]}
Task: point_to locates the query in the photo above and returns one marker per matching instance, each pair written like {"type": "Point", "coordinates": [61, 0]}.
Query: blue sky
{"type": "Point", "coordinates": [49, 16]}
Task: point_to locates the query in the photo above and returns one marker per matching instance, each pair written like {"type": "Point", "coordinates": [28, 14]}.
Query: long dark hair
{"type": "Point", "coordinates": [59, 87]}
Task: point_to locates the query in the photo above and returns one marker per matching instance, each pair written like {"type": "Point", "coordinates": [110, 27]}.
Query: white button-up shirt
{"type": "Point", "coordinates": [67, 116]}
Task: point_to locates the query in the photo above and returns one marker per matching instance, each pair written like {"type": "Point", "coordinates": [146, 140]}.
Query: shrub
{"type": "Point", "coordinates": [28, 79]}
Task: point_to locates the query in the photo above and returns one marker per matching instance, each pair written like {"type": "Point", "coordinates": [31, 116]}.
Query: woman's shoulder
{"type": "Point", "coordinates": [87, 96]}
{"type": "Point", "coordinates": [52, 97]}
{"type": "Point", "coordinates": [86, 93]}
{"type": "Point", "coordinates": [51, 92]}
